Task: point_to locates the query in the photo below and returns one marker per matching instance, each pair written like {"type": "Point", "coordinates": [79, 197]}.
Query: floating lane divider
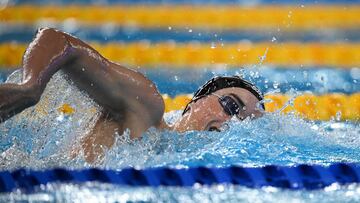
{"type": "Point", "coordinates": [309, 106]}
{"type": "Point", "coordinates": [196, 55]}
{"type": "Point", "coordinates": [196, 2]}
{"type": "Point", "coordinates": [284, 17]}
{"type": "Point", "coordinates": [308, 177]}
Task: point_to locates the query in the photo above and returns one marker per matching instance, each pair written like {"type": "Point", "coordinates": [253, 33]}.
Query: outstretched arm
{"type": "Point", "coordinates": [127, 95]}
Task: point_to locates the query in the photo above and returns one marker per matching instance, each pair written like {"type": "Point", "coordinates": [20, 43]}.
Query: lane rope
{"type": "Point", "coordinates": [196, 2]}
{"type": "Point", "coordinates": [313, 107]}
{"type": "Point", "coordinates": [303, 176]}
{"type": "Point", "coordinates": [197, 55]}
{"type": "Point", "coordinates": [324, 107]}
{"type": "Point", "coordinates": [283, 17]}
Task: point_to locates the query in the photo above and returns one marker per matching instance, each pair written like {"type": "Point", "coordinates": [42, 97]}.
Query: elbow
{"type": "Point", "coordinates": [156, 107]}
{"type": "Point", "coordinates": [48, 31]}
{"type": "Point", "coordinates": [51, 36]}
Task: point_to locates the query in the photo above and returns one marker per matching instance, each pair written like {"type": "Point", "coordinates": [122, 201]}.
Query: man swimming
{"type": "Point", "coordinates": [129, 99]}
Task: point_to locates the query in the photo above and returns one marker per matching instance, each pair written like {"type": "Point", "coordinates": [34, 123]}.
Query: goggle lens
{"type": "Point", "coordinates": [229, 105]}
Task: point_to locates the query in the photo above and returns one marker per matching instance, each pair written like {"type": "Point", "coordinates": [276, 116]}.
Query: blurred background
{"type": "Point", "coordinates": [285, 47]}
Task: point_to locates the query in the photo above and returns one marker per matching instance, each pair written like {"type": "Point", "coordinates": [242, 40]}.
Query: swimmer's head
{"type": "Point", "coordinates": [217, 101]}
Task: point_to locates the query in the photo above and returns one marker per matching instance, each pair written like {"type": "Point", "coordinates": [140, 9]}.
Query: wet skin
{"type": "Point", "coordinates": [207, 113]}
{"type": "Point", "coordinates": [129, 99]}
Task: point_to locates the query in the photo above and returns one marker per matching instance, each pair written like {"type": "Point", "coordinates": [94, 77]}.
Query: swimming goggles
{"type": "Point", "coordinates": [221, 82]}
{"type": "Point", "coordinates": [230, 106]}
{"type": "Point", "coordinates": [228, 103]}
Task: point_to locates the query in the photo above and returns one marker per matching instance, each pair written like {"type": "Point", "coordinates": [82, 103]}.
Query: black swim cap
{"type": "Point", "coordinates": [221, 82]}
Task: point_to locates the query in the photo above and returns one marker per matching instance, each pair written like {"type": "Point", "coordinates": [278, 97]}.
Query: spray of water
{"type": "Point", "coordinates": [41, 137]}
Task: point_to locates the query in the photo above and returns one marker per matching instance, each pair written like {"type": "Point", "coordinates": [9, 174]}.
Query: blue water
{"type": "Point", "coordinates": [111, 33]}
{"type": "Point", "coordinates": [269, 79]}
{"type": "Point", "coordinates": [41, 138]}
{"type": "Point", "coordinates": [219, 193]}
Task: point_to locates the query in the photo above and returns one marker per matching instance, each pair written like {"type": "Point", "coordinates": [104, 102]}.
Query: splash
{"type": "Point", "coordinates": [272, 139]}
{"type": "Point", "coordinates": [100, 192]}
{"type": "Point", "coordinates": [41, 136]}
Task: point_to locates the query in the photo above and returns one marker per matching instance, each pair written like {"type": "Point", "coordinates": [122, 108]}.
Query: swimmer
{"type": "Point", "coordinates": [129, 100]}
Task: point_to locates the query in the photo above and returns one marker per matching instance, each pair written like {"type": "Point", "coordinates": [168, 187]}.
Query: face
{"type": "Point", "coordinates": [208, 114]}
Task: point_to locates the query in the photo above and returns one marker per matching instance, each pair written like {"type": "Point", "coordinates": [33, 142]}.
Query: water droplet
{"type": "Point", "coordinates": [355, 73]}
{"type": "Point", "coordinates": [275, 85]}
{"type": "Point", "coordinates": [273, 39]}
{"type": "Point", "coordinates": [338, 116]}
{"type": "Point", "coordinates": [60, 118]}
{"type": "Point", "coordinates": [289, 14]}
{"type": "Point", "coordinates": [225, 127]}
{"type": "Point", "coordinates": [305, 74]}
{"type": "Point", "coordinates": [190, 30]}
{"type": "Point", "coordinates": [262, 58]}
{"type": "Point", "coordinates": [213, 45]}
{"type": "Point", "coordinates": [221, 188]}
{"type": "Point", "coordinates": [169, 28]}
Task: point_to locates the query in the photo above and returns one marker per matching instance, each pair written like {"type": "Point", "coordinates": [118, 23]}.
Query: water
{"type": "Point", "coordinates": [95, 192]}
{"type": "Point", "coordinates": [41, 138]}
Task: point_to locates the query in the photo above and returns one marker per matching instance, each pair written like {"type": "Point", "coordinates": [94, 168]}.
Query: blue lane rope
{"type": "Point", "coordinates": [308, 177]}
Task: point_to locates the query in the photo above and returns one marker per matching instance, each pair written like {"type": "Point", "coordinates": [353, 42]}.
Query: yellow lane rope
{"type": "Point", "coordinates": [286, 18]}
{"type": "Point", "coordinates": [309, 106]}
{"type": "Point", "coordinates": [198, 55]}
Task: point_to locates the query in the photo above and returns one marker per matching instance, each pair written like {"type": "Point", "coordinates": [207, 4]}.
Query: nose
{"type": "Point", "coordinates": [200, 120]}
{"type": "Point", "coordinates": [188, 122]}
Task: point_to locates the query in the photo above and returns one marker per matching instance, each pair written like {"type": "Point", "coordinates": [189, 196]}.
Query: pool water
{"type": "Point", "coordinates": [295, 53]}
{"type": "Point", "coordinates": [96, 192]}
{"type": "Point", "coordinates": [41, 138]}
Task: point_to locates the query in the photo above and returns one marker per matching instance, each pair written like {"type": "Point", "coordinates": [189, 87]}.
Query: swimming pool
{"type": "Point", "coordinates": [41, 137]}
{"type": "Point", "coordinates": [289, 55]}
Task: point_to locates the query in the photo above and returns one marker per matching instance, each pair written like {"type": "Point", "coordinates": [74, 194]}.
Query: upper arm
{"type": "Point", "coordinates": [135, 96]}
